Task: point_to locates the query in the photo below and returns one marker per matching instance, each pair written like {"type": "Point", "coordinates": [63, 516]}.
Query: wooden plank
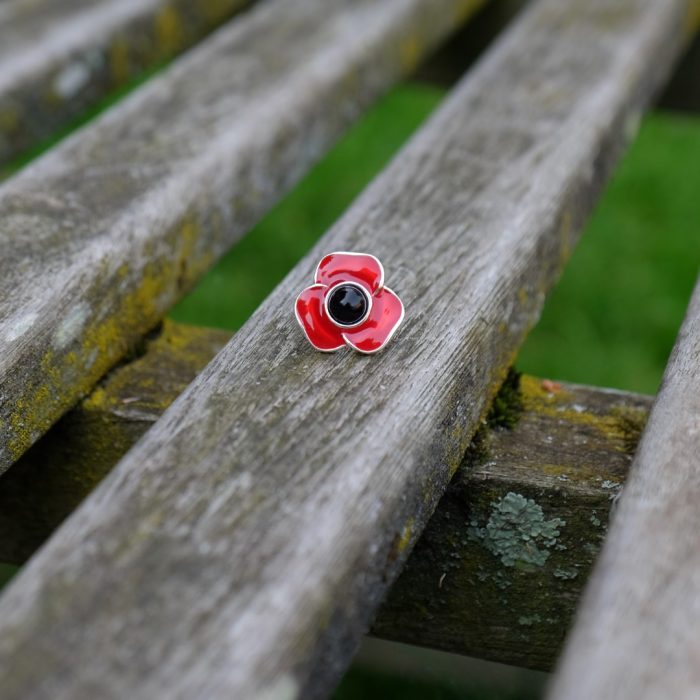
{"type": "Point", "coordinates": [62, 468]}
{"type": "Point", "coordinates": [60, 58]}
{"type": "Point", "coordinates": [498, 570]}
{"type": "Point", "coordinates": [102, 235]}
{"type": "Point", "coordinates": [243, 546]}
{"type": "Point", "coordinates": [636, 636]}
{"type": "Point", "coordinates": [561, 451]}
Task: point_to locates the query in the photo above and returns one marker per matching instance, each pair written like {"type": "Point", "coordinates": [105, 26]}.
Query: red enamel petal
{"type": "Point", "coordinates": [351, 267]}
{"type": "Point", "coordinates": [384, 319]}
{"type": "Point", "coordinates": [322, 334]}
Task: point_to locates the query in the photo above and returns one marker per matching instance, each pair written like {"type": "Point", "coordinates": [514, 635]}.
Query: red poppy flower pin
{"type": "Point", "coordinates": [349, 305]}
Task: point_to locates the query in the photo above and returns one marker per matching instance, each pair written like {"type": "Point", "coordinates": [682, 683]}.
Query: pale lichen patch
{"type": "Point", "coordinates": [71, 80]}
{"type": "Point", "coordinates": [565, 573]}
{"type": "Point", "coordinates": [529, 620]}
{"type": "Point", "coordinates": [286, 688]}
{"type": "Point", "coordinates": [405, 538]}
{"type": "Point", "coordinates": [518, 533]}
{"type": "Point", "coordinates": [18, 326]}
{"type": "Point", "coordinates": [72, 325]}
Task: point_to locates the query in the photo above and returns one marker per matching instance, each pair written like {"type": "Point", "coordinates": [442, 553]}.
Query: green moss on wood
{"type": "Point", "coordinates": [508, 403]}
{"type": "Point", "coordinates": [504, 412]}
{"type": "Point", "coordinates": [51, 479]}
{"type": "Point", "coordinates": [76, 360]}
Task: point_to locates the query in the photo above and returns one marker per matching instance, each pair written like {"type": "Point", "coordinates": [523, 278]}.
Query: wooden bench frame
{"type": "Point", "coordinates": [238, 524]}
{"type": "Point", "coordinates": [589, 434]}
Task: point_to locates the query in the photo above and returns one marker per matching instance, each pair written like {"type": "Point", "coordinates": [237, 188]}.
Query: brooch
{"type": "Point", "coordinates": [348, 304]}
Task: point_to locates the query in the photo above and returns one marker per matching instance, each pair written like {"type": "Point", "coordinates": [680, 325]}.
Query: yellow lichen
{"type": "Point", "coordinates": [466, 9]}
{"type": "Point", "coordinates": [405, 537]}
{"type": "Point", "coordinates": [106, 341]}
{"type": "Point", "coordinates": [618, 425]}
{"type": "Point", "coordinates": [119, 60]}
{"type": "Point", "coordinates": [169, 31]}
{"type": "Point", "coordinates": [566, 234]}
{"type": "Point", "coordinates": [410, 52]}
{"type": "Point", "coordinates": [692, 22]}
{"type": "Point", "coordinates": [184, 350]}
{"type": "Point", "coordinates": [9, 120]}
{"type": "Point", "coordinates": [32, 413]}
{"type": "Point", "coordinates": [217, 10]}
{"type": "Point", "coordinates": [96, 400]}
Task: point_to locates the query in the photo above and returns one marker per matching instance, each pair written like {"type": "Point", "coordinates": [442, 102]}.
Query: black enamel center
{"type": "Point", "coordinates": [347, 305]}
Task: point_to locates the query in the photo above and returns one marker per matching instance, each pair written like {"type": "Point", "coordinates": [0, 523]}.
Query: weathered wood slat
{"type": "Point", "coordinates": [637, 633]}
{"type": "Point", "coordinates": [60, 470]}
{"type": "Point", "coordinates": [244, 544]}
{"type": "Point", "coordinates": [549, 453]}
{"type": "Point", "coordinates": [498, 570]}
{"type": "Point", "coordinates": [103, 234]}
{"type": "Point", "coordinates": [59, 58]}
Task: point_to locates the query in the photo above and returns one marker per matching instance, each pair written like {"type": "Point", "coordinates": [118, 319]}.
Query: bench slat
{"type": "Point", "coordinates": [564, 447]}
{"type": "Point", "coordinates": [101, 236]}
{"type": "Point", "coordinates": [637, 631]}
{"type": "Point", "coordinates": [60, 58]}
{"type": "Point", "coordinates": [242, 547]}
{"type": "Point", "coordinates": [52, 478]}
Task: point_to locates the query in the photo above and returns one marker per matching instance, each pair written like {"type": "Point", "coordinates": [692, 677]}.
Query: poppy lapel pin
{"type": "Point", "coordinates": [348, 304]}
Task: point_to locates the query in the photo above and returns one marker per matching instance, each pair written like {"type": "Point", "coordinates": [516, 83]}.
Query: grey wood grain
{"type": "Point", "coordinates": [51, 479]}
{"type": "Point", "coordinates": [242, 547]}
{"type": "Point", "coordinates": [637, 631]}
{"type": "Point", "coordinates": [60, 58]}
{"type": "Point", "coordinates": [102, 235]}
{"type": "Point", "coordinates": [548, 465]}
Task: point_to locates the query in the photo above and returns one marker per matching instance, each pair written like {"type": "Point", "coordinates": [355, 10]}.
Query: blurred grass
{"type": "Point", "coordinates": [7, 571]}
{"type": "Point", "coordinates": [371, 684]}
{"type": "Point", "coordinates": [385, 670]}
{"type": "Point", "coordinates": [613, 318]}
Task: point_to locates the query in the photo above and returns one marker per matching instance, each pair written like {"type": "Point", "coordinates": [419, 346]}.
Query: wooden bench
{"type": "Point", "coordinates": [245, 543]}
